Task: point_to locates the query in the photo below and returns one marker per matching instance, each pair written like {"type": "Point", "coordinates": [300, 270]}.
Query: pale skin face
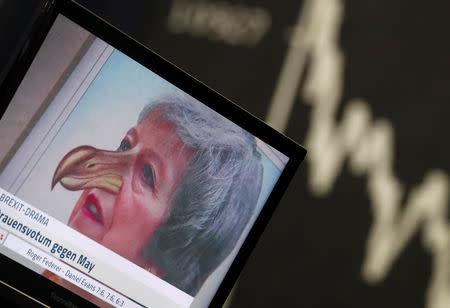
{"type": "Point", "coordinates": [155, 159]}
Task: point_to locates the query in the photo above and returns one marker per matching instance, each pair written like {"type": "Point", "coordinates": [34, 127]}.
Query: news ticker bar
{"type": "Point", "coordinates": [66, 272]}
{"type": "Point", "coordinates": [110, 268]}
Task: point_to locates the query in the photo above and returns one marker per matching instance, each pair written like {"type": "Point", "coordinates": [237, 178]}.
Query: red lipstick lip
{"type": "Point", "coordinates": [91, 198]}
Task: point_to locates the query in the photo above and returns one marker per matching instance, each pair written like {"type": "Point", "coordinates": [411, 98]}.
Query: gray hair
{"type": "Point", "coordinates": [215, 199]}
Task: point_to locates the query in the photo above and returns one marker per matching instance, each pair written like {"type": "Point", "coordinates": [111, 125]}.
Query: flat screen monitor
{"type": "Point", "coordinates": [124, 181]}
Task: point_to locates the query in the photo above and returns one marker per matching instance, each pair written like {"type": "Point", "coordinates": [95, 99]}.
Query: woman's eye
{"type": "Point", "coordinates": [124, 145]}
{"type": "Point", "coordinates": [148, 175]}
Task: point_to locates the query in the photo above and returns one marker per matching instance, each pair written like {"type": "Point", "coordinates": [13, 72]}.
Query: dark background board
{"type": "Point", "coordinates": [395, 59]}
{"type": "Point", "coordinates": [14, 25]}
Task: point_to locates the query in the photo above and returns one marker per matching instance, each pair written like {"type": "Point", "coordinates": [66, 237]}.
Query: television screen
{"type": "Point", "coordinates": [120, 186]}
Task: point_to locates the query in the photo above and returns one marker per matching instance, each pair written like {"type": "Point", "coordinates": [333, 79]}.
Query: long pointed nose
{"type": "Point", "coordinates": [87, 167]}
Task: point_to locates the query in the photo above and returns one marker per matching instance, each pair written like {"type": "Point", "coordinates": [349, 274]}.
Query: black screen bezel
{"type": "Point", "coordinates": [185, 82]}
